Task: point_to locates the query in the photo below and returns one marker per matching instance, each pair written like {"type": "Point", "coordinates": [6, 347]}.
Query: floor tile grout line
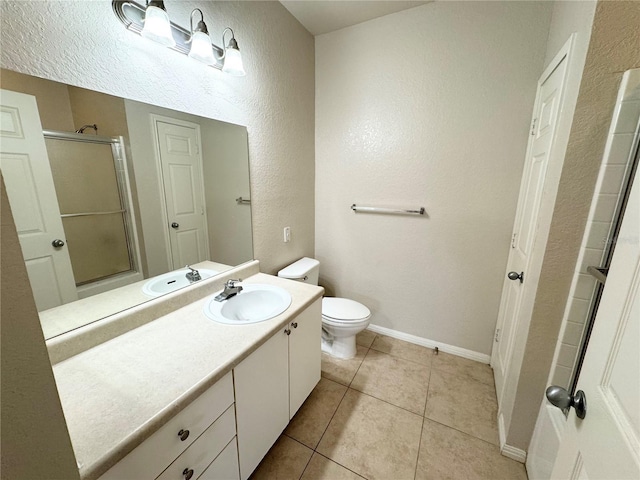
{"type": "Point", "coordinates": [402, 358]}
{"type": "Point", "coordinates": [359, 366]}
{"type": "Point", "coordinates": [343, 466]}
{"type": "Point", "coordinates": [415, 471]}
{"type": "Point", "coordinates": [315, 449]}
{"type": "Point", "coordinates": [463, 432]}
{"type": "Point", "coordinates": [465, 377]}
{"type": "Point", "coordinates": [307, 465]}
{"type": "Point", "coordinates": [387, 402]}
{"type": "Point", "coordinates": [424, 418]}
{"type": "Point", "coordinates": [424, 411]}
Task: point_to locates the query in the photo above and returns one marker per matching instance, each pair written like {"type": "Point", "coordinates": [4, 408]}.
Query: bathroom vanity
{"type": "Point", "coordinates": [182, 396]}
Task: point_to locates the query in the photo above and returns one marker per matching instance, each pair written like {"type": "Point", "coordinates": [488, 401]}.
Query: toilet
{"type": "Point", "coordinates": [342, 318]}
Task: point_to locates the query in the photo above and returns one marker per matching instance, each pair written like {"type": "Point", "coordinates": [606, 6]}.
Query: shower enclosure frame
{"type": "Point", "coordinates": [121, 168]}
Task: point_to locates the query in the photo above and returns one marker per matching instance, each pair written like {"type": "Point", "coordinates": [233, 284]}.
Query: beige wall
{"type": "Point", "coordinates": [614, 48]}
{"type": "Point", "coordinates": [426, 107]}
{"type": "Point", "coordinates": [274, 100]}
{"type": "Point", "coordinates": [35, 442]}
{"type": "Point", "coordinates": [53, 101]}
{"type": "Point", "coordinates": [106, 111]}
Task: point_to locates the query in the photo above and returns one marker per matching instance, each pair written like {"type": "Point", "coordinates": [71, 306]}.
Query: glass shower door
{"type": "Point", "coordinates": [91, 205]}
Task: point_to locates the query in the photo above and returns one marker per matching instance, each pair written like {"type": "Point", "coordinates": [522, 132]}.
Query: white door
{"type": "Point", "coordinates": [606, 443]}
{"type": "Point", "coordinates": [32, 195]}
{"type": "Point", "coordinates": [546, 112]}
{"type": "Point", "coordinates": [181, 164]}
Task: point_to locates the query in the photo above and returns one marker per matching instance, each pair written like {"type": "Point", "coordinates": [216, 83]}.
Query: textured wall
{"type": "Point", "coordinates": [614, 48]}
{"type": "Point", "coordinates": [427, 107]}
{"type": "Point", "coordinates": [83, 44]}
{"type": "Point", "coordinates": [35, 442]}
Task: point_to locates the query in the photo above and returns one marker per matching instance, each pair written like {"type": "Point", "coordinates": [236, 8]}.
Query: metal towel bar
{"type": "Point", "coordinates": [394, 211]}
{"type": "Point", "coordinates": [88, 214]}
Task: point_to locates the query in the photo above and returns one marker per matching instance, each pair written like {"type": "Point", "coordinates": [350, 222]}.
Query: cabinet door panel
{"type": "Point", "coordinates": [304, 355]}
{"type": "Point", "coordinates": [262, 400]}
{"type": "Point", "coordinates": [225, 466]}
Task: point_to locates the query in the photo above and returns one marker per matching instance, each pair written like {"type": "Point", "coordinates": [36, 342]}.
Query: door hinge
{"type": "Point", "coordinates": [533, 126]}
{"type": "Point", "coordinates": [513, 240]}
{"type": "Point", "coordinates": [497, 337]}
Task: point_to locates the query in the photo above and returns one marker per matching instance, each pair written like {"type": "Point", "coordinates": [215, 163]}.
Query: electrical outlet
{"type": "Point", "coordinates": [287, 234]}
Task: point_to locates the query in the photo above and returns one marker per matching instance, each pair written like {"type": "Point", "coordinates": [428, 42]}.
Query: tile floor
{"type": "Point", "coordinates": [396, 411]}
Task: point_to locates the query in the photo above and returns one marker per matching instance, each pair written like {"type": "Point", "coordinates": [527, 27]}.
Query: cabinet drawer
{"type": "Point", "coordinates": [225, 467]}
{"type": "Point", "coordinates": [195, 459]}
{"type": "Point", "coordinates": [151, 457]}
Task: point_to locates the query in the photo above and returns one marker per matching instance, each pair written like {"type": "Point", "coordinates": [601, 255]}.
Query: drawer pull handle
{"type": "Point", "coordinates": [183, 434]}
{"type": "Point", "coordinates": [188, 473]}
{"type": "Point", "coordinates": [287, 331]}
{"type": "Point", "coordinates": [294, 324]}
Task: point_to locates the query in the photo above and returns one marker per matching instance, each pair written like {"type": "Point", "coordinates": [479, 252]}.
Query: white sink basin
{"type": "Point", "coordinates": [172, 281]}
{"type": "Point", "coordinates": [255, 303]}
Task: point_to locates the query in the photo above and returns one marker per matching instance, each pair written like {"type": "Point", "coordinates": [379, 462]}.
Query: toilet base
{"type": "Point", "coordinates": [343, 348]}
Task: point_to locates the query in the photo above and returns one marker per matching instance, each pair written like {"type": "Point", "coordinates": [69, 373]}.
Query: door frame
{"type": "Point", "coordinates": [520, 330]}
{"type": "Point", "coordinates": [155, 119]}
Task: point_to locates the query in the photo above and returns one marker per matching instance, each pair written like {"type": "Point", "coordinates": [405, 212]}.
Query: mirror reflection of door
{"type": "Point", "coordinates": [181, 166]}
{"type": "Point", "coordinates": [30, 188]}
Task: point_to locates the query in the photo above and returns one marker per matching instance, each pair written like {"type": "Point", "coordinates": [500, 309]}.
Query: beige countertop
{"type": "Point", "coordinates": [64, 318]}
{"type": "Point", "coordinates": [115, 395]}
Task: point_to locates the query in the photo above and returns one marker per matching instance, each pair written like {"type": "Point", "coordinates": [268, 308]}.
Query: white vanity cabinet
{"type": "Point", "coordinates": [188, 443]}
{"type": "Point", "coordinates": [304, 355]}
{"type": "Point", "coordinates": [272, 383]}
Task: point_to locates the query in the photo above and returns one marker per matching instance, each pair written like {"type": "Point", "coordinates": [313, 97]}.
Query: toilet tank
{"type": "Point", "coordinates": [304, 270]}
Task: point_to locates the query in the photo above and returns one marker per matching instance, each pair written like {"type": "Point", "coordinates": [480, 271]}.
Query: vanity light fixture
{"type": "Point", "coordinates": [151, 21]}
{"type": "Point", "coordinates": [156, 24]}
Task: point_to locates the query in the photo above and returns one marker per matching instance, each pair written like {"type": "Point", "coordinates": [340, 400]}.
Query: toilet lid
{"type": "Point", "coordinates": [343, 309]}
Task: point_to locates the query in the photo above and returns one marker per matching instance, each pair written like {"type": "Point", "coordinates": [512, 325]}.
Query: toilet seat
{"type": "Point", "coordinates": [343, 310]}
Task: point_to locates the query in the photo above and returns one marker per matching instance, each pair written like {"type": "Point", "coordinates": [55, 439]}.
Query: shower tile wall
{"type": "Point", "coordinates": [624, 130]}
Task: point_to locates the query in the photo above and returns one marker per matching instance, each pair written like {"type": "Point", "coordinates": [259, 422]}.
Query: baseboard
{"type": "Point", "coordinates": [507, 450]}
{"type": "Point", "coordinates": [514, 453]}
{"type": "Point", "coordinates": [425, 342]}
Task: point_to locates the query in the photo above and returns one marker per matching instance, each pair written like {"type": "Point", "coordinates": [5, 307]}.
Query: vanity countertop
{"type": "Point", "coordinates": [118, 393]}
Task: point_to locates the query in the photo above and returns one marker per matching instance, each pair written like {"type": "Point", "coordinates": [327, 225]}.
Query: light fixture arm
{"type": "Point", "coordinates": [232, 42]}
{"type": "Point", "coordinates": [201, 26]}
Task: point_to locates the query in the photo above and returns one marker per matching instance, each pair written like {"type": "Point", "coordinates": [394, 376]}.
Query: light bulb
{"type": "Point", "coordinates": [157, 26]}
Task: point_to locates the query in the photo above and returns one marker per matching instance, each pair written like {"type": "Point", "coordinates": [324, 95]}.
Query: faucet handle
{"type": "Point", "coordinates": [192, 269]}
{"type": "Point", "coordinates": [231, 283]}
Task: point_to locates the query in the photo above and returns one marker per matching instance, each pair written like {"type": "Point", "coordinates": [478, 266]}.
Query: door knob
{"type": "Point", "coordinates": [57, 243]}
{"type": "Point", "coordinates": [516, 276]}
{"type": "Point", "coordinates": [562, 399]}
{"type": "Point", "coordinates": [175, 225]}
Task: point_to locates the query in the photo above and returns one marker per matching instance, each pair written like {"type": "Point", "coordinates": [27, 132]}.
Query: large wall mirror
{"type": "Point", "coordinates": [113, 198]}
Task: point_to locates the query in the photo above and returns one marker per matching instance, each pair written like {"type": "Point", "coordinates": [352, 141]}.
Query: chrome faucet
{"type": "Point", "coordinates": [193, 275]}
{"type": "Point", "coordinates": [231, 288]}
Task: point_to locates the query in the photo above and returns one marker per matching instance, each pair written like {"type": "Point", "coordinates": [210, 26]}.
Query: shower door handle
{"type": "Point", "coordinates": [57, 243]}
{"type": "Point", "coordinates": [175, 225]}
